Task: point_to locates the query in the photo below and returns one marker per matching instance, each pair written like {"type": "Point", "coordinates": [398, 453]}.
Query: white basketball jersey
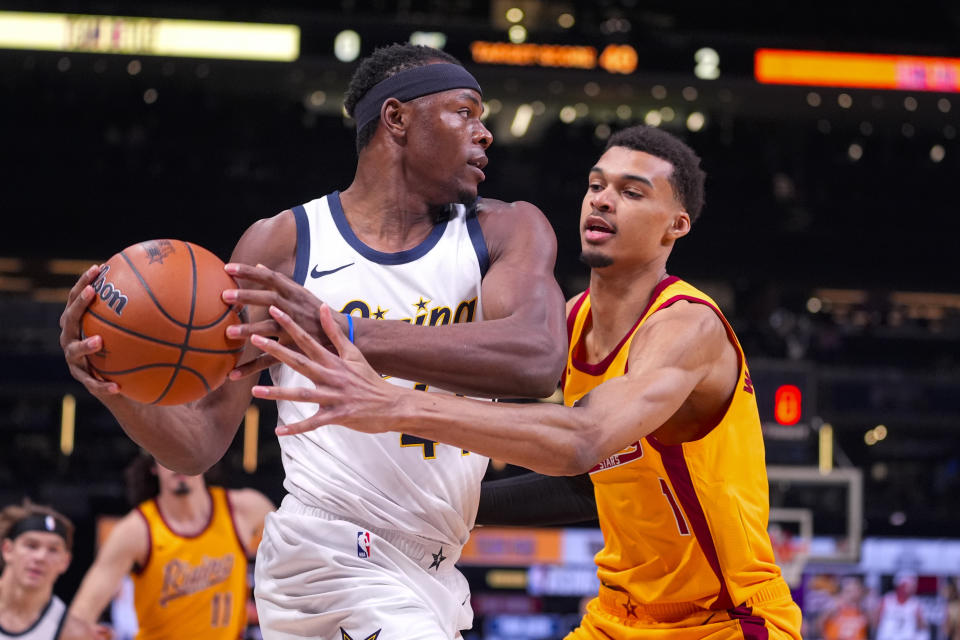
{"type": "Point", "coordinates": [899, 619]}
{"type": "Point", "coordinates": [47, 626]}
{"type": "Point", "coordinates": [388, 480]}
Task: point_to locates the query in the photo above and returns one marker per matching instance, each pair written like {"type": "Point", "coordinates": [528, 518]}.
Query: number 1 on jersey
{"type": "Point", "coordinates": [681, 521]}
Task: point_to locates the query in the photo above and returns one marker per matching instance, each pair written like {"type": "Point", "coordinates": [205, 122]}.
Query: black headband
{"type": "Point", "coordinates": [412, 83]}
{"type": "Point", "coordinates": [38, 522]}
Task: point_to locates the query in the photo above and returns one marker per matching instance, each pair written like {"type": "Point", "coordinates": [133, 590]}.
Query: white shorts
{"type": "Point", "coordinates": [321, 577]}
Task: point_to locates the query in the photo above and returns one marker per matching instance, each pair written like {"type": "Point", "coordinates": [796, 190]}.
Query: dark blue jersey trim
{"type": "Point", "coordinates": [303, 244]}
{"type": "Point", "coordinates": [479, 242]}
{"type": "Point", "coordinates": [400, 257]}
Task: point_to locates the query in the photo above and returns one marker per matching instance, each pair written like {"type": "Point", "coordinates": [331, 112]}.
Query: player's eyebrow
{"type": "Point", "coordinates": [466, 95]}
{"type": "Point", "coordinates": [627, 176]}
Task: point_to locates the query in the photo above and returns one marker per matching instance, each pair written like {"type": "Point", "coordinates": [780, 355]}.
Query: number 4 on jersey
{"type": "Point", "coordinates": [429, 446]}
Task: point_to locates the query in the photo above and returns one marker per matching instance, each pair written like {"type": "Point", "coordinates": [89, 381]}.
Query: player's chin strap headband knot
{"type": "Point", "coordinates": [38, 522]}
{"type": "Point", "coordinates": [412, 83]}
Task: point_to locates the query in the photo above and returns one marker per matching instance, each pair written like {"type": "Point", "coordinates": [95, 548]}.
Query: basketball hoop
{"type": "Point", "coordinates": [790, 552]}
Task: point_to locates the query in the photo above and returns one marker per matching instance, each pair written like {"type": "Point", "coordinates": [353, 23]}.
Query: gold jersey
{"type": "Point", "coordinates": [192, 586]}
{"type": "Point", "coordinates": [684, 526]}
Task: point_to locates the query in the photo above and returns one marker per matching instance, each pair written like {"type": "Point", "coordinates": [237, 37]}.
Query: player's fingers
{"type": "Point", "coordinates": [76, 351]}
{"type": "Point", "coordinates": [93, 385]}
{"type": "Point", "coordinates": [293, 394]}
{"type": "Point", "coordinates": [70, 318]}
{"type": "Point", "coordinates": [86, 278]}
{"type": "Point", "coordinates": [263, 328]}
{"type": "Point", "coordinates": [256, 365]}
{"type": "Point", "coordinates": [260, 274]}
{"type": "Point", "coordinates": [315, 421]}
{"type": "Point", "coordinates": [336, 335]}
{"type": "Point", "coordinates": [294, 359]}
{"type": "Point", "coordinates": [307, 343]}
{"type": "Point", "coordinates": [253, 297]}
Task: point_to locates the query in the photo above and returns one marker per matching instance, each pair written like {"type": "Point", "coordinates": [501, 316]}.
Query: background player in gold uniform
{"type": "Point", "coordinates": [661, 411]}
{"type": "Point", "coordinates": [187, 549]}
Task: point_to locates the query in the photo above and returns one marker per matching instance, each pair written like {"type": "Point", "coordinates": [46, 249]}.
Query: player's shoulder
{"type": "Point", "coordinates": [572, 301]}
{"type": "Point", "coordinates": [521, 225]}
{"type": "Point", "coordinates": [496, 210]}
{"type": "Point", "coordinates": [688, 315]}
{"type": "Point", "coordinates": [269, 241]}
{"type": "Point", "coordinates": [249, 502]}
{"type": "Point", "coordinates": [131, 534]}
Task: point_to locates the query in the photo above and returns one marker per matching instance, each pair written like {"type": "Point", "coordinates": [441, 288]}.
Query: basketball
{"type": "Point", "coordinates": [163, 323]}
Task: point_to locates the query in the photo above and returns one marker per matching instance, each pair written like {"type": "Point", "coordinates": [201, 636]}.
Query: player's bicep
{"type": "Point", "coordinates": [523, 251]}
{"type": "Point", "coordinates": [668, 359]}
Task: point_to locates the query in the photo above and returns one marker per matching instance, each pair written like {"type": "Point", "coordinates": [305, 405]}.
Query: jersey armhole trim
{"type": "Point", "coordinates": [139, 569]}
{"type": "Point", "coordinates": [741, 359]}
{"type": "Point", "coordinates": [233, 522]}
{"type": "Point", "coordinates": [478, 241]}
{"type": "Point", "coordinates": [303, 244]}
{"type": "Point", "coordinates": [63, 620]}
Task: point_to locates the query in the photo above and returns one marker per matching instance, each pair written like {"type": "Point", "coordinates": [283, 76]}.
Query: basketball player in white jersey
{"type": "Point", "coordinates": [364, 544]}
{"type": "Point", "coordinates": [900, 616]}
{"type": "Point", "coordinates": [36, 551]}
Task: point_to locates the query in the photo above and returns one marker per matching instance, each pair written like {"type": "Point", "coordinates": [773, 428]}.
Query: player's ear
{"type": "Point", "coordinates": [64, 564]}
{"type": "Point", "coordinates": [7, 549]}
{"type": "Point", "coordinates": [680, 225]}
{"type": "Point", "coordinates": [393, 117]}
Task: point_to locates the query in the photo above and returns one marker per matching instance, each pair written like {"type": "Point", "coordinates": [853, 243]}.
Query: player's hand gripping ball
{"type": "Point", "coordinates": [163, 323]}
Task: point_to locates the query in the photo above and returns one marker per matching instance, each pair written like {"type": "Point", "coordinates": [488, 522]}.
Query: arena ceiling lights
{"type": "Point", "coordinates": [149, 36]}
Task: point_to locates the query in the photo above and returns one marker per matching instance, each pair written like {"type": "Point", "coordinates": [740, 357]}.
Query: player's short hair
{"type": "Point", "coordinates": [687, 178]}
{"type": "Point", "coordinates": [381, 64]}
{"type": "Point", "coordinates": [14, 513]}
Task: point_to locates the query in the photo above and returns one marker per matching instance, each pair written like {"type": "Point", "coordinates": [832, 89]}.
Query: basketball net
{"type": "Point", "coordinates": [791, 553]}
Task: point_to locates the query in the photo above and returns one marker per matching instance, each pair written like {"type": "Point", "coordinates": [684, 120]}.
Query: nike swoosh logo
{"type": "Point", "coordinates": [319, 274]}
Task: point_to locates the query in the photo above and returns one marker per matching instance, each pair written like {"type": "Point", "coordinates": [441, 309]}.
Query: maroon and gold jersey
{"type": "Point", "coordinates": [196, 586]}
{"type": "Point", "coordinates": [682, 524]}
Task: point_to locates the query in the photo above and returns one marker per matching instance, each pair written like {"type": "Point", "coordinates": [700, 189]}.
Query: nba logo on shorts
{"type": "Point", "coordinates": [363, 544]}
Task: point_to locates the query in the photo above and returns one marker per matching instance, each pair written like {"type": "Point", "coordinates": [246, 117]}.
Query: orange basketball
{"type": "Point", "coordinates": [159, 312]}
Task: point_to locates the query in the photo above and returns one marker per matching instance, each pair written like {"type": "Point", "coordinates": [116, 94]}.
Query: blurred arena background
{"type": "Point", "coordinates": [829, 235]}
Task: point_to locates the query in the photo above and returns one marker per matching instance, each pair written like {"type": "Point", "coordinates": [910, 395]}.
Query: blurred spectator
{"type": "Point", "coordinates": [846, 620]}
{"type": "Point", "coordinates": [900, 616]}
{"type": "Point", "coordinates": [951, 624]}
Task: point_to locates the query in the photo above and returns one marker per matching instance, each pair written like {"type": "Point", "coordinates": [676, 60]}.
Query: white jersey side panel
{"type": "Point", "coordinates": [47, 626]}
{"type": "Point", "coordinates": [388, 480]}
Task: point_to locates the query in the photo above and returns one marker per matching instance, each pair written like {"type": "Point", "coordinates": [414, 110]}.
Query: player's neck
{"type": "Point", "coordinates": [20, 607]}
{"type": "Point", "coordinates": [186, 514]}
{"type": "Point", "coordinates": [385, 214]}
{"type": "Point", "coordinates": [616, 301]}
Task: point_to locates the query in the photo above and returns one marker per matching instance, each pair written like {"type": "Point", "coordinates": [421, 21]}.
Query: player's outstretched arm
{"type": "Point", "coordinates": [187, 438]}
{"type": "Point", "coordinates": [680, 350]}
{"type": "Point", "coordinates": [126, 546]}
{"type": "Point", "coordinates": [518, 350]}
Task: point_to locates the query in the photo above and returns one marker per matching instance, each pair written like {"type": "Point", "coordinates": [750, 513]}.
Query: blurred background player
{"type": "Point", "coordinates": [410, 250]}
{"type": "Point", "coordinates": [186, 545]}
{"type": "Point", "coordinates": [846, 620]}
{"type": "Point", "coordinates": [900, 614]}
{"type": "Point", "coordinates": [673, 443]}
{"type": "Point", "coordinates": [37, 542]}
